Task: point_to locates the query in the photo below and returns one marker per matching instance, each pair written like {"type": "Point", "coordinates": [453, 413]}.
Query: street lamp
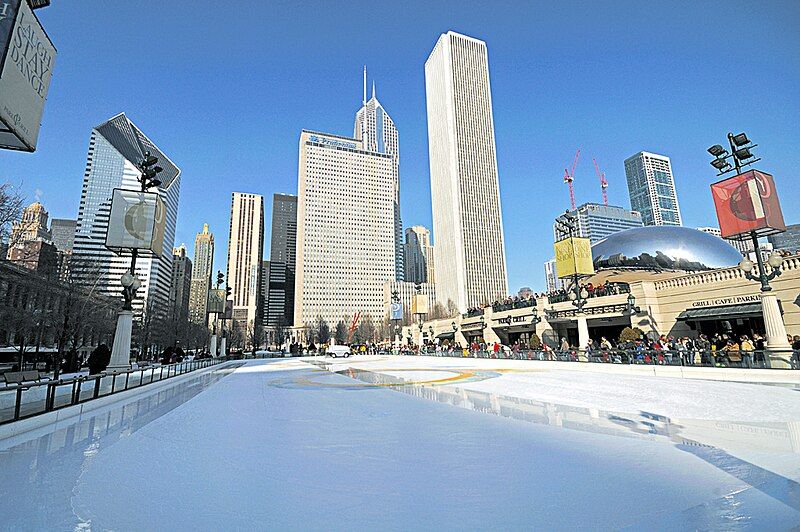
{"type": "Point", "coordinates": [454, 326]}
{"type": "Point", "coordinates": [632, 308]}
{"type": "Point", "coordinates": [536, 319]}
{"type": "Point", "coordinates": [121, 349]}
{"type": "Point", "coordinates": [741, 155]}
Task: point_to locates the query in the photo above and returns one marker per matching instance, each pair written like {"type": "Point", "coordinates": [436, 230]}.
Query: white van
{"type": "Point", "coordinates": [338, 351]}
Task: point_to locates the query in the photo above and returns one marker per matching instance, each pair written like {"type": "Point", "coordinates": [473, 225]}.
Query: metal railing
{"type": "Point", "coordinates": [28, 399]}
{"type": "Point", "coordinates": [689, 358]}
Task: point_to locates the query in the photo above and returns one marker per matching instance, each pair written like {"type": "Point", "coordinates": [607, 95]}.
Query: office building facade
{"type": "Point", "coordinates": [651, 187]}
{"type": "Point", "coordinates": [279, 309]}
{"type": "Point", "coordinates": [596, 221]}
{"type": "Point", "coordinates": [115, 148]}
{"type": "Point", "coordinates": [245, 256]}
{"type": "Point", "coordinates": [345, 229]}
{"type": "Point", "coordinates": [202, 272]}
{"type": "Point", "coordinates": [62, 233]}
{"type": "Point", "coordinates": [181, 285]}
{"type": "Point", "coordinates": [788, 240]}
{"type": "Point", "coordinates": [376, 129]}
{"type": "Point", "coordinates": [418, 256]}
{"type": "Point", "coordinates": [465, 191]}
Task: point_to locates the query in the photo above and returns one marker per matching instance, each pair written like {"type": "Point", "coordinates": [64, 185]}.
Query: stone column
{"type": "Point", "coordinates": [121, 349]}
{"type": "Point", "coordinates": [212, 349]}
{"type": "Point", "coordinates": [779, 351]}
{"type": "Point", "coordinates": [222, 346]}
{"type": "Point", "coordinates": [583, 337]}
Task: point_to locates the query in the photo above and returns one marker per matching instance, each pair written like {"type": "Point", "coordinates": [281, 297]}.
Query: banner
{"type": "Point", "coordinates": [419, 304]}
{"type": "Point", "coordinates": [216, 301]}
{"type": "Point", "coordinates": [573, 256]}
{"type": "Point", "coordinates": [28, 58]}
{"type": "Point", "coordinates": [396, 311]}
{"type": "Point", "coordinates": [136, 221]}
{"type": "Point", "coordinates": [748, 202]}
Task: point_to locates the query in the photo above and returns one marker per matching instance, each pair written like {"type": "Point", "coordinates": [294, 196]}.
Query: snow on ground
{"type": "Point", "coordinates": [287, 445]}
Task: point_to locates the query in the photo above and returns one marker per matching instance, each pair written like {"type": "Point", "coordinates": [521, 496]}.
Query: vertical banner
{"type": "Point", "coordinates": [748, 202]}
{"type": "Point", "coordinates": [28, 58]}
{"type": "Point", "coordinates": [216, 301]}
{"type": "Point", "coordinates": [137, 221]}
{"type": "Point", "coordinates": [573, 256]}
{"type": "Point", "coordinates": [396, 311]}
{"type": "Point", "coordinates": [419, 304]}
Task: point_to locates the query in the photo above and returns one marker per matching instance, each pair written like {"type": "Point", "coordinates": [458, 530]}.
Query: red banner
{"type": "Point", "coordinates": [748, 202]}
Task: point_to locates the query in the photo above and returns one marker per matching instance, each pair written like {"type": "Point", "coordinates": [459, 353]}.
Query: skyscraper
{"type": "Point", "coordinates": [30, 244]}
{"type": "Point", "coordinates": [789, 240]}
{"type": "Point", "coordinates": [245, 253]}
{"type": "Point", "coordinates": [345, 229]}
{"type": "Point", "coordinates": [202, 271]}
{"type": "Point", "coordinates": [115, 147]}
{"type": "Point", "coordinates": [652, 189]}
{"type": "Point", "coordinates": [376, 129]}
{"type": "Point", "coordinates": [596, 221]}
{"type": "Point", "coordinates": [419, 255]}
{"type": "Point", "coordinates": [180, 286]}
{"type": "Point", "coordinates": [62, 232]}
{"type": "Point", "coordinates": [282, 265]}
{"type": "Point", "coordinates": [467, 220]}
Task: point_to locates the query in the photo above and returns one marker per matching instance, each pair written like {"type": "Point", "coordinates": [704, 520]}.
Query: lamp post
{"type": "Point", "coordinates": [568, 223]}
{"type": "Point", "coordinates": [396, 301]}
{"type": "Point", "coordinates": [121, 348]}
{"type": "Point", "coordinates": [775, 343]}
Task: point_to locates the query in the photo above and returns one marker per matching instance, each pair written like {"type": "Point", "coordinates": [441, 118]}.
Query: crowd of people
{"type": "Point", "coordinates": [604, 289]}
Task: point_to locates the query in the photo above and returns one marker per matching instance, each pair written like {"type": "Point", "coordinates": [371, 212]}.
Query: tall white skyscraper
{"type": "Point", "coordinates": [245, 254]}
{"type": "Point", "coordinates": [202, 273]}
{"type": "Point", "coordinates": [115, 147]}
{"type": "Point", "coordinates": [652, 188]}
{"type": "Point", "coordinates": [345, 229]}
{"type": "Point", "coordinates": [375, 128]}
{"type": "Point", "coordinates": [470, 251]}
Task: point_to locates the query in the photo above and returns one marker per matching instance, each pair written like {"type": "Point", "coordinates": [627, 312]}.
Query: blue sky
{"type": "Point", "coordinates": [224, 88]}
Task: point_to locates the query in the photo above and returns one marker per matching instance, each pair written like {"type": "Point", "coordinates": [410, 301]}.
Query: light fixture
{"type": "Point", "coordinates": [716, 150]}
{"type": "Point", "coordinates": [572, 295]}
{"type": "Point", "coordinates": [127, 279]}
{"type": "Point", "coordinates": [149, 160]}
{"type": "Point", "coordinates": [136, 283]}
{"type": "Point", "coordinates": [720, 164]}
{"type": "Point", "coordinates": [746, 265]}
{"type": "Point", "coordinates": [743, 153]}
{"type": "Point", "coordinates": [775, 260]}
{"type": "Point", "coordinates": [154, 183]}
{"type": "Point", "coordinates": [740, 139]}
{"type": "Point", "coordinates": [455, 327]}
{"type": "Point", "coordinates": [584, 294]}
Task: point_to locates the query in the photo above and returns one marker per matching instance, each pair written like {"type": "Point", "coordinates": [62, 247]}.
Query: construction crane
{"type": "Point", "coordinates": [569, 177]}
{"type": "Point", "coordinates": [603, 182]}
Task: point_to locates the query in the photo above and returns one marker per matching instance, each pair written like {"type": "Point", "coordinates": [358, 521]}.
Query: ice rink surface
{"type": "Point", "coordinates": [415, 444]}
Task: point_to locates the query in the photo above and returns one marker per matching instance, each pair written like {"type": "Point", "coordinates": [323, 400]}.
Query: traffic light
{"type": "Point", "coordinates": [220, 278]}
{"type": "Point", "coordinates": [227, 292]}
{"type": "Point", "coordinates": [150, 171]}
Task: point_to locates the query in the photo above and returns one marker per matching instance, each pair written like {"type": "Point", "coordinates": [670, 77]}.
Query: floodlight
{"type": "Point", "coordinates": [716, 150]}
{"type": "Point", "coordinates": [743, 153]}
{"type": "Point", "coordinates": [720, 164]}
{"type": "Point", "coordinates": [154, 183]}
{"type": "Point", "coordinates": [740, 139]}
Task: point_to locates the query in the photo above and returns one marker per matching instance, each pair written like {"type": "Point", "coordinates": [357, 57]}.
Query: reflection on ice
{"type": "Point", "coordinates": [765, 455]}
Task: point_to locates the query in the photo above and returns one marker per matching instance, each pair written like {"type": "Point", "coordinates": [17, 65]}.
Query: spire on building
{"type": "Point", "coordinates": [364, 98]}
{"type": "Point", "coordinates": [373, 89]}
{"type": "Point", "coordinates": [205, 229]}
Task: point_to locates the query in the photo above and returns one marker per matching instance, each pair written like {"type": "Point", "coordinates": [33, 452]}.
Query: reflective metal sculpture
{"type": "Point", "coordinates": [664, 248]}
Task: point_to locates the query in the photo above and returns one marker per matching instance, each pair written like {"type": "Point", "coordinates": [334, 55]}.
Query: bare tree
{"type": "Point", "coordinates": [255, 335]}
{"type": "Point", "coordinates": [452, 309]}
{"type": "Point", "coordinates": [11, 205]}
{"type": "Point", "coordinates": [280, 331]}
{"type": "Point", "coordinates": [438, 312]}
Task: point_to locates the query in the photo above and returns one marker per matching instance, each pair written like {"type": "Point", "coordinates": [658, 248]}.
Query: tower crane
{"type": "Point", "coordinates": [603, 182]}
{"type": "Point", "coordinates": [569, 177]}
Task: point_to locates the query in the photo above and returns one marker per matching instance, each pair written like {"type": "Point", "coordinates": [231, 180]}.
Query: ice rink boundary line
{"type": "Point", "coordinates": [747, 376]}
{"type": "Point", "coordinates": [10, 430]}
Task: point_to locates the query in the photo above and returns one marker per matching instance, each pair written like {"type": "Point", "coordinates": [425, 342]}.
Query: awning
{"type": "Point", "coordinates": [446, 336]}
{"type": "Point", "coordinates": [722, 312]}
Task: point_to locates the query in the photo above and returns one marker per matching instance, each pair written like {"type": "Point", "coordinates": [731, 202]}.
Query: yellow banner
{"type": "Point", "coordinates": [573, 255]}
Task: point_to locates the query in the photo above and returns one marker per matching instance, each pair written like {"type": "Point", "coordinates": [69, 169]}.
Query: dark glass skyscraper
{"type": "Point", "coordinates": [282, 255]}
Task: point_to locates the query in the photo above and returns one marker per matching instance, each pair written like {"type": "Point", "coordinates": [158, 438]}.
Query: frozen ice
{"type": "Point", "coordinates": [414, 443]}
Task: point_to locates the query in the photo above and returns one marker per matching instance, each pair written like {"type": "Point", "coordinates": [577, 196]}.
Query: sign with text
{"type": "Point", "coordinates": [420, 304]}
{"type": "Point", "coordinates": [28, 58]}
{"type": "Point", "coordinates": [136, 221]}
{"type": "Point", "coordinates": [216, 301]}
{"type": "Point", "coordinates": [748, 202]}
{"type": "Point", "coordinates": [396, 311]}
{"type": "Point", "coordinates": [573, 256]}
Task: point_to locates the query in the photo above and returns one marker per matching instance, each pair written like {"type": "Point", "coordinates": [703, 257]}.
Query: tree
{"type": "Point", "coordinates": [535, 342]}
{"type": "Point", "coordinates": [341, 333]}
{"type": "Point", "coordinates": [255, 334]}
{"type": "Point", "coordinates": [452, 309]}
{"type": "Point", "coordinates": [438, 312]}
{"type": "Point", "coordinates": [11, 205]}
{"type": "Point", "coordinates": [280, 331]}
{"type": "Point", "coordinates": [323, 331]}
{"type": "Point", "coordinates": [365, 330]}
{"type": "Point", "coordinates": [629, 334]}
